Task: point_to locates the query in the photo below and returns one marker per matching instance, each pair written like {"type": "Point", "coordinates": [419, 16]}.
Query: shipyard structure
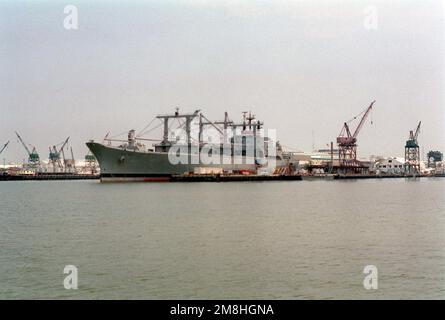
{"type": "Point", "coordinates": [60, 165]}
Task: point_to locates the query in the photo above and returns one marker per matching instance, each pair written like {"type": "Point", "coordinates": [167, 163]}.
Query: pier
{"type": "Point", "coordinates": [24, 177]}
{"type": "Point", "coordinates": [229, 178]}
{"type": "Point", "coordinates": [214, 177]}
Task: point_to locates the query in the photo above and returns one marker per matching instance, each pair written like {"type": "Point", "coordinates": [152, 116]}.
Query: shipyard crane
{"type": "Point", "coordinates": [73, 163]}
{"type": "Point", "coordinates": [4, 147]}
{"type": "Point", "coordinates": [70, 163]}
{"type": "Point", "coordinates": [413, 136]}
{"type": "Point", "coordinates": [347, 143]}
{"type": "Point", "coordinates": [33, 156]}
{"type": "Point", "coordinates": [90, 162]}
{"type": "Point", "coordinates": [54, 154]}
{"type": "Point", "coordinates": [412, 152]}
{"type": "Point", "coordinates": [433, 158]}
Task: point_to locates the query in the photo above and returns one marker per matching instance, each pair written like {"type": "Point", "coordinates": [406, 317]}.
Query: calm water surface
{"type": "Point", "coordinates": [248, 240]}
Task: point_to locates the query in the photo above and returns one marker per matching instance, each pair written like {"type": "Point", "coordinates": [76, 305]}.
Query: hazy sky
{"type": "Point", "coordinates": [304, 67]}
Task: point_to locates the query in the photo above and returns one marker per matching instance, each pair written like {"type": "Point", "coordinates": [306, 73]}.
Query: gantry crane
{"type": "Point", "coordinates": [347, 144]}
{"type": "Point", "coordinates": [33, 156]}
{"type": "Point", "coordinates": [412, 152]}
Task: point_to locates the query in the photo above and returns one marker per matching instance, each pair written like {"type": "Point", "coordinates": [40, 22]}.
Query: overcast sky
{"type": "Point", "coordinates": [304, 67]}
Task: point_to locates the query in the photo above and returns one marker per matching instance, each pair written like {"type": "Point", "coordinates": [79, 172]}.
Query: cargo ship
{"type": "Point", "coordinates": [239, 148]}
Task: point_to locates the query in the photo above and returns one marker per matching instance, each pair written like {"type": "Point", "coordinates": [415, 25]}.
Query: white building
{"type": "Point", "coordinates": [389, 166]}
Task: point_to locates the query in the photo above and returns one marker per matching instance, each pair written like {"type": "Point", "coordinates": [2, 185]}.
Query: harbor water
{"type": "Point", "coordinates": [237, 240]}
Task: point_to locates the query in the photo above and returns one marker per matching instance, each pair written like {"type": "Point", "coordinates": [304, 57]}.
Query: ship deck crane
{"type": "Point", "coordinates": [33, 156]}
{"type": "Point", "coordinates": [347, 142]}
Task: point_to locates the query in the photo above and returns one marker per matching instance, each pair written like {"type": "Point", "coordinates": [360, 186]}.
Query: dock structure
{"type": "Point", "coordinates": [217, 177]}
{"type": "Point", "coordinates": [375, 176]}
{"type": "Point", "coordinates": [52, 176]}
{"type": "Point", "coordinates": [234, 177]}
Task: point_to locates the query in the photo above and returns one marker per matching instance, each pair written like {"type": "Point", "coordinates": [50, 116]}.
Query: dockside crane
{"type": "Point", "coordinates": [54, 155]}
{"type": "Point", "coordinates": [433, 157]}
{"type": "Point", "coordinates": [4, 147]}
{"type": "Point", "coordinates": [412, 152]}
{"type": "Point", "coordinates": [33, 156]}
{"type": "Point", "coordinates": [72, 158]}
{"type": "Point", "coordinates": [347, 144]}
{"type": "Point", "coordinates": [70, 164]}
{"type": "Point", "coordinates": [91, 162]}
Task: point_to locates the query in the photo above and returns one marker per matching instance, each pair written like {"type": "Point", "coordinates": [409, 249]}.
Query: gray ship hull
{"type": "Point", "coordinates": [117, 164]}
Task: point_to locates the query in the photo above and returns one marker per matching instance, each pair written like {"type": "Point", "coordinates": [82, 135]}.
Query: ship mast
{"type": "Point", "coordinates": [165, 143]}
{"type": "Point", "coordinates": [226, 122]}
